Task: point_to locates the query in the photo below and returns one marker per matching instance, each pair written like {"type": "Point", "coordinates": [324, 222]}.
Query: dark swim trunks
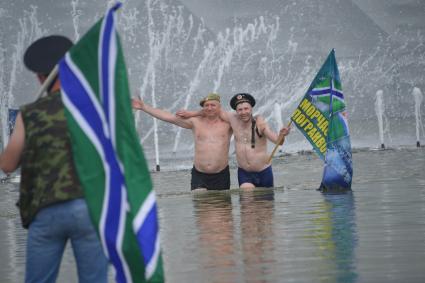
{"type": "Point", "coordinates": [214, 181]}
{"type": "Point", "coordinates": [259, 179]}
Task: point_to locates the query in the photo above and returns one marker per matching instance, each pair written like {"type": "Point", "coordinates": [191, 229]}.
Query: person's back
{"type": "Point", "coordinates": [47, 173]}
{"type": "Point", "coordinates": [51, 203]}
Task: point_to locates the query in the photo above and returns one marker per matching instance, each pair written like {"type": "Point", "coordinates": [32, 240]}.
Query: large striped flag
{"type": "Point", "coordinates": [108, 156]}
{"type": "Point", "coordinates": [322, 118]}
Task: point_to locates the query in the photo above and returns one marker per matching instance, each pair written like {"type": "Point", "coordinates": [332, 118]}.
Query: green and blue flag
{"type": "Point", "coordinates": [322, 119]}
{"type": "Point", "coordinates": [108, 157]}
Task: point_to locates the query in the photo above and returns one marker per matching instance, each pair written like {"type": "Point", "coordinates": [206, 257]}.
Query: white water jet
{"type": "Point", "coordinates": [3, 99]}
{"type": "Point", "coordinates": [194, 86]}
{"type": "Point", "coordinates": [277, 114]}
{"type": "Point", "coordinates": [29, 30]}
{"type": "Point", "coordinates": [75, 13]}
{"type": "Point", "coordinates": [150, 77]}
{"type": "Point", "coordinates": [379, 109]}
{"type": "Point", "coordinates": [418, 101]}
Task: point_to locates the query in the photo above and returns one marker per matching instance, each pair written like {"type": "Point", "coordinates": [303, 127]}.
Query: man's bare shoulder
{"type": "Point", "coordinates": [259, 118]}
{"type": "Point", "coordinates": [261, 122]}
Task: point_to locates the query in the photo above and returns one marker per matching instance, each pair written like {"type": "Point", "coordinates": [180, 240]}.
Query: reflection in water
{"type": "Point", "coordinates": [228, 252]}
{"type": "Point", "coordinates": [213, 212]}
{"type": "Point", "coordinates": [335, 237]}
{"type": "Point", "coordinates": [12, 236]}
{"type": "Point", "coordinates": [257, 234]}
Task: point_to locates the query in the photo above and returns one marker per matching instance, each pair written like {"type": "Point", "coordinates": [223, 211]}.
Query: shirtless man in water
{"type": "Point", "coordinates": [212, 139]}
{"type": "Point", "coordinates": [251, 134]}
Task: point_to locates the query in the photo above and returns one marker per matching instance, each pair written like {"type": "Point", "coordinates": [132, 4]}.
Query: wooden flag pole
{"type": "Point", "coordinates": [47, 82]}
{"type": "Point", "coordinates": [279, 143]}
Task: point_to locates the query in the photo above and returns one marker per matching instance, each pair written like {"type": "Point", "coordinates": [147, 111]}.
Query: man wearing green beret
{"type": "Point", "coordinates": [212, 139]}
{"type": "Point", "coordinates": [251, 135]}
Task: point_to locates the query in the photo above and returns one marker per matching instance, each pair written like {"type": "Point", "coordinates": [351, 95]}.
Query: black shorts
{"type": "Point", "coordinates": [214, 181]}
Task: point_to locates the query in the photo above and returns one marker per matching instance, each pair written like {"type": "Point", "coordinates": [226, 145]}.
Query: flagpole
{"type": "Point", "coordinates": [279, 143]}
{"type": "Point", "coordinates": [47, 82]}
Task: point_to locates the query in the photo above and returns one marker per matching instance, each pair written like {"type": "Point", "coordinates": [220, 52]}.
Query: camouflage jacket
{"type": "Point", "coordinates": [48, 174]}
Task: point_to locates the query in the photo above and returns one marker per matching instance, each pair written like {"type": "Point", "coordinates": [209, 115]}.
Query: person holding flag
{"type": "Point", "coordinates": [51, 200]}
{"type": "Point", "coordinates": [85, 151]}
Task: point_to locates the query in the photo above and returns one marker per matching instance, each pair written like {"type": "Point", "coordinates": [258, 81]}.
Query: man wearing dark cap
{"type": "Point", "coordinates": [51, 200]}
{"type": "Point", "coordinates": [212, 139]}
{"type": "Point", "coordinates": [251, 135]}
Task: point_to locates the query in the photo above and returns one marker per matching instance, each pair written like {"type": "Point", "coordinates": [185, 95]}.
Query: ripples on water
{"type": "Point", "coordinates": [291, 233]}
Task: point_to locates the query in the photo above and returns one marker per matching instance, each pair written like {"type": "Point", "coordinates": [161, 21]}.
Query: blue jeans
{"type": "Point", "coordinates": [48, 234]}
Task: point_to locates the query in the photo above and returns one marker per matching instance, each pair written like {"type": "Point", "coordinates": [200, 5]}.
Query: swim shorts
{"type": "Point", "coordinates": [214, 181]}
{"type": "Point", "coordinates": [259, 179]}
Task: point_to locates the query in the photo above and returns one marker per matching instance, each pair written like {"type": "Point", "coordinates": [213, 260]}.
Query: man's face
{"type": "Point", "coordinates": [211, 108]}
{"type": "Point", "coordinates": [244, 111]}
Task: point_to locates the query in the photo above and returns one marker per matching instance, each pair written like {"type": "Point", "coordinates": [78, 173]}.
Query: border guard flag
{"type": "Point", "coordinates": [107, 154]}
{"type": "Point", "coordinates": [322, 118]}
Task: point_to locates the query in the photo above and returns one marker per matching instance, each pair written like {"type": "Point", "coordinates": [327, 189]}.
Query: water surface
{"type": "Point", "coordinates": [290, 233]}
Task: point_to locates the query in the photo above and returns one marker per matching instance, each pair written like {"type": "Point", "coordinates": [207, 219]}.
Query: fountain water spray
{"type": "Point", "coordinates": [3, 99]}
{"type": "Point", "coordinates": [379, 109]}
{"type": "Point", "coordinates": [277, 113]}
{"type": "Point", "coordinates": [194, 86]}
{"type": "Point", "coordinates": [29, 31]}
{"type": "Point", "coordinates": [418, 101]}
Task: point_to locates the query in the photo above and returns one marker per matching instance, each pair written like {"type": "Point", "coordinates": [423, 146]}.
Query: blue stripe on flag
{"type": "Point", "coordinates": [327, 91]}
{"type": "Point", "coordinates": [81, 100]}
{"type": "Point", "coordinates": [104, 51]}
{"type": "Point", "coordinates": [148, 235]}
{"type": "Point", "coordinates": [145, 225]}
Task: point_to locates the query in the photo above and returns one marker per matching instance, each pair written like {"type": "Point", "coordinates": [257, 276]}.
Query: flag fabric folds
{"type": "Point", "coordinates": [108, 157]}
{"type": "Point", "coordinates": [322, 119]}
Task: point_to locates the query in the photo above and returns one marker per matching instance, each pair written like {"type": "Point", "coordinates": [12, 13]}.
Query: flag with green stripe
{"type": "Point", "coordinates": [322, 118]}
{"type": "Point", "coordinates": [109, 159]}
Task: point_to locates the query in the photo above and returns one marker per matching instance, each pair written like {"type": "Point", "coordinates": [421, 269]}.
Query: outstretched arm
{"type": "Point", "coordinates": [271, 135]}
{"type": "Point", "coordinates": [11, 156]}
{"type": "Point", "coordinates": [186, 114]}
{"type": "Point", "coordinates": [161, 114]}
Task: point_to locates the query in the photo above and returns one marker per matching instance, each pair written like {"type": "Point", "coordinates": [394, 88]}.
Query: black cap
{"type": "Point", "coordinates": [242, 97]}
{"type": "Point", "coordinates": [43, 54]}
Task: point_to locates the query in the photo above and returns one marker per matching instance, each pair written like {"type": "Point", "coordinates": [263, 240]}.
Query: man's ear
{"type": "Point", "coordinates": [41, 77]}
